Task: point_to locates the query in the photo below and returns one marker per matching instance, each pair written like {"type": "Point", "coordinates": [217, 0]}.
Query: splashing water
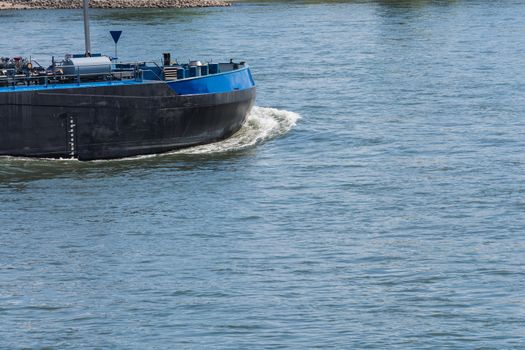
{"type": "Point", "coordinates": [261, 124]}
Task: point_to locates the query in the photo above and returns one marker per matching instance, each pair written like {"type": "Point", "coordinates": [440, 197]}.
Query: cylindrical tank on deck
{"type": "Point", "coordinates": [87, 65]}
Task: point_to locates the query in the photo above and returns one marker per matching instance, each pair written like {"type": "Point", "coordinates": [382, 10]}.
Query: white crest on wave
{"type": "Point", "coordinates": [262, 124]}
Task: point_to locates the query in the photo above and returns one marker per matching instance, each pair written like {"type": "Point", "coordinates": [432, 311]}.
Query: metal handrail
{"type": "Point", "coordinates": [56, 75]}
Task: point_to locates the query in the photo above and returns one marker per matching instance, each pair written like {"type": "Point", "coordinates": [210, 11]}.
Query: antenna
{"type": "Point", "coordinates": [86, 28]}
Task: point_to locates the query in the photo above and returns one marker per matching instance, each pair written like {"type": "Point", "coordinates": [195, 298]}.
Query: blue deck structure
{"type": "Point", "coordinates": [239, 79]}
{"type": "Point", "coordinates": [217, 83]}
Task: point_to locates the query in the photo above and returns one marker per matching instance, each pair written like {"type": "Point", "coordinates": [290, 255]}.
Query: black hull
{"type": "Point", "coordinates": [116, 121]}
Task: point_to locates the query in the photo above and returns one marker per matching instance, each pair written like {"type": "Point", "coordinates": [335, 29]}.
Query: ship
{"type": "Point", "coordinates": [92, 106]}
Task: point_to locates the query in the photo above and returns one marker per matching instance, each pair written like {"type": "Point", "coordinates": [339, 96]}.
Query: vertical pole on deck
{"type": "Point", "coordinates": [87, 35]}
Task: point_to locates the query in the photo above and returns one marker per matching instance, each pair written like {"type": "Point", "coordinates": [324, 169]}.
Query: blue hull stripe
{"type": "Point", "coordinates": [217, 83]}
{"type": "Point", "coordinates": [72, 86]}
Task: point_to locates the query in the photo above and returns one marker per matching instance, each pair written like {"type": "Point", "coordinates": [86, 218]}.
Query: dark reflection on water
{"type": "Point", "coordinates": [19, 170]}
{"type": "Point", "coordinates": [389, 3]}
{"type": "Point", "coordinates": [148, 16]}
{"type": "Point", "coordinates": [415, 3]}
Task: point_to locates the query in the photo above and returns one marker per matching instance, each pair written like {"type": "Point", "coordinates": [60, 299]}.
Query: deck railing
{"type": "Point", "coordinates": [69, 74]}
{"type": "Point", "coordinates": [116, 71]}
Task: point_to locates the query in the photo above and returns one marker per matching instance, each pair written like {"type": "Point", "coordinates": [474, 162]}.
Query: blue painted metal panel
{"type": "Point", "coordinates": [210, 84]}
{"type": "Point", "coordinates": [151, 73]}
{"type": "Point", "coordinates": [223, 82]}
{"type": "Point", "coordinates": [214, 68]}
{"type": "Point", "coordinates": [70, 86]}
{"type": "Point", "coordinates": [194, 71]}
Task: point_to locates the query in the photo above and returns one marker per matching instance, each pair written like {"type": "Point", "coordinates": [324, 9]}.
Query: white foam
{"type": "Point", "coordinates": [262, 124]}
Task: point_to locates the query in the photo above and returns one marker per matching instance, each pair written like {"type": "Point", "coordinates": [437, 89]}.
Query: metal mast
{"type": "Point", "coordinates": [86, 28]}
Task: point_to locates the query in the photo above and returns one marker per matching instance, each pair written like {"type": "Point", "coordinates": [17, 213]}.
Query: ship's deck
{"type": "Point", "coordinates": [232, 80]}
{"type": "Point", "coordinates": [184, 79]}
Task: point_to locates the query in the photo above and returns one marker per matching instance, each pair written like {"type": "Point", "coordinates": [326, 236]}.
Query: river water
{"type": "Point", "coordinates": [374, 199]}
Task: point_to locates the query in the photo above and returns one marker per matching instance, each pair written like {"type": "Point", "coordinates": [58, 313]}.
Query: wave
{"type": "Point", "coordinates": [262, 124]}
